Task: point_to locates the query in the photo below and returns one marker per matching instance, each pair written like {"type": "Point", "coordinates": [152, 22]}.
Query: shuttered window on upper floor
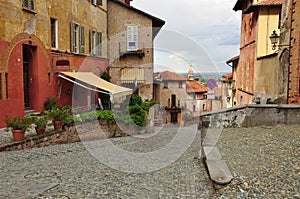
{"type": "Point", "coordinates": [132, 38]}
{"type": "Point", "coordinates": [77, 34]}
{"type": "Point", "coordinates": [95, 43]}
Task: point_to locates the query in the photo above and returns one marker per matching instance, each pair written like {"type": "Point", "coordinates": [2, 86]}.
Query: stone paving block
{"type": "Point", "coordinates": [211, 153]}
{"type": "Point", "coordinates": [219, 171]}
{"type": "Point", "coordinates": [41, 188]}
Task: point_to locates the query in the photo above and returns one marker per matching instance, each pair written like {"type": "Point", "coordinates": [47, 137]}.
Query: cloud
{"type": "Point", "coordinates": [207, 31]}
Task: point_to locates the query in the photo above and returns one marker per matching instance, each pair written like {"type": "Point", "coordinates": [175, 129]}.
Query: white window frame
{"type": "Point", "coordinates": [76, 37]}
{"type": "Point", "coordinates": [96, 2]}
{"type": "Point", "coordinates": [132, 38]}
{"type": "Point", "coordinates": [56, 33]}
{"type": "Point", "coordinates": [77, 34]}
{"type": "Point", "coordinates": [95, 43]}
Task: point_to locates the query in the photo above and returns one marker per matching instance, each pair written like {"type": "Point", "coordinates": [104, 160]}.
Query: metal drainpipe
{"type": "Point", "coordinates": [289, 59]}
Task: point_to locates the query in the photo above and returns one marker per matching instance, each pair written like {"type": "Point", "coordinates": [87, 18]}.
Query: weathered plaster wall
{"type": "Point", "coordinates": [268, 20]}
{"type": "Point", "coordinates": [119, 17]}
{"type": "Point", "coordinates": [266, 78]}
{"type": "Point", "coordinates": [15, 20]}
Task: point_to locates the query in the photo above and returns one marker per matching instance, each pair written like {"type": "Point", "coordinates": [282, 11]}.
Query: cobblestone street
{"type": "Point", "coordinates": [71, 172]}
{"type": "Point", "coordinates": [263, 160]}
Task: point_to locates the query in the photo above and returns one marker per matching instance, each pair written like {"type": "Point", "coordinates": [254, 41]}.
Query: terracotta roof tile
{"type": "Point", "coordinates": [195, 87]}
{"type": "Point", "coordinates": [228, 75]}
{"type": "Point", "coordinates": [268, 2]}
{"type": "Point", "coordinates": [170, 76]}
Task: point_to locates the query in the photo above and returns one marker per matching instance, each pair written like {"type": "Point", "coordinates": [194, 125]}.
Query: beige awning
{"type": "Point", "coordinates": [93, 80]}
{"type": "Point", "coordinates": [129, 75]}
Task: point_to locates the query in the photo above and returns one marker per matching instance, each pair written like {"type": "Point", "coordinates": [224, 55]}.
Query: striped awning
{"type": "Point", "coordinates": [129, 75]}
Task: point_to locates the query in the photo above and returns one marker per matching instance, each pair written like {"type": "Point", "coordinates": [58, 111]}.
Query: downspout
{"type": "Point", "coordinates": [289, 58]}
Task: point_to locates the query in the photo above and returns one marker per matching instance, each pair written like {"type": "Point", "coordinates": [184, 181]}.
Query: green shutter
{"type": "Point", "coordinates": [91, 43]}
{"type": "Point", "coordinates": [82, 40]}
{"type": "Point", "coordinates": [72, 37]}
{"type": "Point", "coordinates": [99, 44]}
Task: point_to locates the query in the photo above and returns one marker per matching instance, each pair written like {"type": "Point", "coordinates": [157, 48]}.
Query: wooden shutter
{"type": "Point", "coordinates": [82, 40]}
{"type": "Point", "coordinates": [92, 43]}
{"type": "Point", "coordinates": [72, 37]}
{"type": "Point", "coordinates": [99, 44]}
{"type": "Point", "coordinates": [132, 38]}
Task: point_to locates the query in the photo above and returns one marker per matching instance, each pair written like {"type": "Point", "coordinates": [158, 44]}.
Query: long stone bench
{"type": "Point", "coordinates": [217, 167]}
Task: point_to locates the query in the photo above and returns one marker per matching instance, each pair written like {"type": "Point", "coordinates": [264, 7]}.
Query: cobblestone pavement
{"type": "Point", "coordinates": [265, 162]}
{"type": "Point", "coordinates": [69, 171]}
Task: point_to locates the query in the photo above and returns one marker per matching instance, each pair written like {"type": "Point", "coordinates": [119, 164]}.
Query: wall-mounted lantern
{"type": "Point", "coordinates": [275, 40]}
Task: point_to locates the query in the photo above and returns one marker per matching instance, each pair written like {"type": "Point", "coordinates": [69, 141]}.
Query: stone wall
{"type": "Point", "coordinates": [252, 115]}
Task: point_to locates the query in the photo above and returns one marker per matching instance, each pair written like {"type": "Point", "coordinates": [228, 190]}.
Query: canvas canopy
{"type": "Point", "coordinates": [90, 78]}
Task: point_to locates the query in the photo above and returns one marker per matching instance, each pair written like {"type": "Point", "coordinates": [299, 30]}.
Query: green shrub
{"type": "Point", "coordinates": [40, 122]}
{"type": "Point", "coordinates": [88, 116]}
{"type": "Point", "coordinates": [60, 114]}
{"type": "Point", "coordinates": [106, 115]}
{"type": "Point", "coordinates": [50, 103]}
{"type": "Point", "coordinates": [138, 115]}
{"type": "Point", "coordinates": [135, 100]}
{"type": "Point", "coordinates": [18, 123]}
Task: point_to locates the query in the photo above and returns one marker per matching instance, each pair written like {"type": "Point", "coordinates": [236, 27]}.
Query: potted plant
{"type": "Point", "coordinates": [18, 126]}
{"type": "Point", "coordinates": [59, 115]}
{"type": "Point", "coordinates": [40, 124]}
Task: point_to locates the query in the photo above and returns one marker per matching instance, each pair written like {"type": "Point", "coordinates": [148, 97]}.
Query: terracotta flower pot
{"type": "Point", "coordinates": [40, 131]}
{"type": "Point", "coordinates": [18, 135]}
{"type": "Point", "coordinates": [57, 125]}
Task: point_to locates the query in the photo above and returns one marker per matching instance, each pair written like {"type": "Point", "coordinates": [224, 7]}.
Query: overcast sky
{"type": "Point", "coordinates": [204, 33]}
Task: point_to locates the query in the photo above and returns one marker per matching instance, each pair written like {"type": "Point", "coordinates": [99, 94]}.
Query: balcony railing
{"type": "Point", "coordinates": [131, 48]}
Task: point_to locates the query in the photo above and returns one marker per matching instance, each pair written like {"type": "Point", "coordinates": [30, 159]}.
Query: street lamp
{"type": "Point", "coordinates": [275, 40]}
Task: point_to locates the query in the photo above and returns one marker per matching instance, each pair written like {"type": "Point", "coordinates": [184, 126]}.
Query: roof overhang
{"type": "Point", "coordinates": [157, 23]}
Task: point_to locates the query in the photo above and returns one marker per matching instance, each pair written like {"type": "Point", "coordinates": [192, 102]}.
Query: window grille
{"type": "Point", "coordinates": [28, 4]}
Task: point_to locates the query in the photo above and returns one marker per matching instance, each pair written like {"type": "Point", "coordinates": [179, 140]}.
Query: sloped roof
{"type": "Point", "coordinates": [227, 76]}
{"type": "Point", "coordinates": [232, 59]}
{"type": "Point", "coordinates": [171, 76]}
{"type": "Point", "coordinates": [155, 20]}
{"type": "Point", "coordinates": [239, 4]}
{"type": "Point", "coordinates": [268, 3]}
{"type": "Point", "coordinates": [195, 87]}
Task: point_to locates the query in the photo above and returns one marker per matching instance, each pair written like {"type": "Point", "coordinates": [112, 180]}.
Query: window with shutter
{"type": "Point", "coordinates": [92, 42]}
{"type": "Point", "coordinates": [82, 39]}
{"type": "Point", "coordinates": [99, 44]}
{"type": "Point", "coordinates": [72, 37]}
{"type": "Point", "coordinates": [132, 38]}
{"type": "Point", "coordinates": [54, 33]}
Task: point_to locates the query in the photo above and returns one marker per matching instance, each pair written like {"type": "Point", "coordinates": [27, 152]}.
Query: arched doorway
{"type": "Point", "coordinates": [27, 74]}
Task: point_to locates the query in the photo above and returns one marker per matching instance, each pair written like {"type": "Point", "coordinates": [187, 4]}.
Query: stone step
{"type": "Point", "coordinates": [32, 112]}
{"type": "Point", "coordinates": [219, 171]}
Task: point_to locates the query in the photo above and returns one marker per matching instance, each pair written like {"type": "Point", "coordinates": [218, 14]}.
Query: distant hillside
{"type": "Point", "coordinates": [203, 77]}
